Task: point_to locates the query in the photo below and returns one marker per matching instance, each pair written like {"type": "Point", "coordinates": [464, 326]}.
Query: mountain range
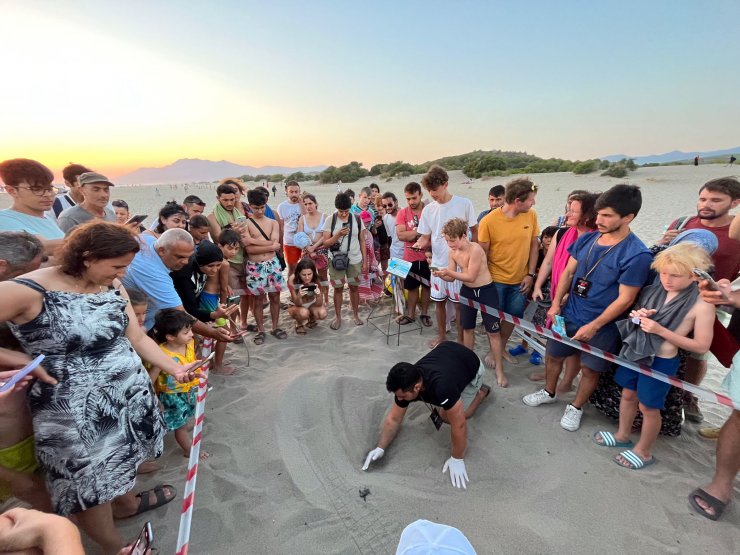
{"type": "Point", "coordinates": [188, 170]}
{"type": "Point", "coordinates": [673, 156]}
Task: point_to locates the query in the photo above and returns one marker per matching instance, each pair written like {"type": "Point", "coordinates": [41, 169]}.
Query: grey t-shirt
{"type": "Point", "coordinates": [72, 217]}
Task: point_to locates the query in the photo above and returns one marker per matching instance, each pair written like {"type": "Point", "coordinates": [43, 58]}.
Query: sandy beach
{"type": "Point", "coordinates": [288, 434]}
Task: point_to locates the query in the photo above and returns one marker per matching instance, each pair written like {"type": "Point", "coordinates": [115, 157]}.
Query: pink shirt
{"type": "Point", "coordinates": [407, 219]}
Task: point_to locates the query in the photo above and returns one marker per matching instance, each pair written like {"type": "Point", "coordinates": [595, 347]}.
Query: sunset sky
{"type": "Point", "coordinates": [120, 85]}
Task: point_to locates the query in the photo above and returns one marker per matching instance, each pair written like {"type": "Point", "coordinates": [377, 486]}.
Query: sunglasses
{"type": "Point", "coordinates": [387, 206]}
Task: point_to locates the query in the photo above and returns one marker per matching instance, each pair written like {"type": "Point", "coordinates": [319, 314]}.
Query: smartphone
{"type": "Point", "coordinates": [701, 274]}
{"type": "Point", "coordinates": [138, 219]}
{"type": "Point", "coordinates": [22, 373]}
{"type": "Point", "coordinates": [233, 300]}
{"type": "Point", "coordinates": [309, 287]}
{"type": "Point", "coordinates": [345, 224]}
{"type": "Point", "coordinates": [434, 268]}
{"type": "Point", "coordinates": [241, 219]}
{"type": "Point", "coordinates": [144, 541]}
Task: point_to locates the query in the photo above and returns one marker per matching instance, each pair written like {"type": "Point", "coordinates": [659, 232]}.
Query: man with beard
{"type": "Point", "coordinates": [716, 198]}
{"type": "Point", "coordinates": [604, 275]}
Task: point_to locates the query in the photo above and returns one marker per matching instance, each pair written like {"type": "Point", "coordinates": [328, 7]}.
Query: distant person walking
{"type": "Point", "coordinates": [274, 190]}
{"type": "Point", "coordinates": [732, 160]}
{"type": "Point", "coordinates": [696, 160]}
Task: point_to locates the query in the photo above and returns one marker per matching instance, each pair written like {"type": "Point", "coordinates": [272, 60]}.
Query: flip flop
{"type": "Point", "coordinates": [301, 330]}
{"type": "Point", "coordinates": [259, 339]}
{"type": "Point", "coordinates": [312, 324]}
{"type": "Point", "coordinates": [634, 460]}
{"type": "Point", "coordinates": [713, 502]}
{"type": "Point", "coordinates": [279, 333]}
{"type": "Point", "coordinates": [610, 441]}
{"type": "Point", "coordinates": [159, 493]}
{"type": "Point", "coordinates": [426, 320]}
{"type": "Point", "coordinates": [405, 320]}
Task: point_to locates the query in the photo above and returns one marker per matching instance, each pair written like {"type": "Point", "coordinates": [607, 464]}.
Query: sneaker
{"type": "Point", "coordinates": [709, 433]}
{"type": "Point", "coordinates": [535, 359]}
{"type": "Point", "coordinates": [571, 420]}
{"type": "Point", "coordinates": [518, 350]}
{"type": "Point", "coordinates": [691, 410]}
{"type": "Point", "coordinates": [541, 397]}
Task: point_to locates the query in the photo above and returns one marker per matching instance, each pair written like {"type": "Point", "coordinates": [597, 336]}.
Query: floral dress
{"type": "Point", "coordinates": [101, 421]}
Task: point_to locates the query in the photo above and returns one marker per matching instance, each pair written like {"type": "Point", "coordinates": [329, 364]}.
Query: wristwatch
{"type": "Point", "coordinates": [533, 276]}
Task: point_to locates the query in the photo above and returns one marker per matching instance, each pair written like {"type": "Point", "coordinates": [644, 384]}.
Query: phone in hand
{"type": "Point", "coordinates": [144, 541]}
{"type": "Point", "coordinates": [234, 299]}
{"type": "Point", "coordinates": [345, 224]}
{"type": "Point", "coordinates": [241, 219]}
{"type": "Point", "coordinates": [309, 287]}
{"type": "Point", "coordinates": [138, 219]}
{"type": "Point", "coordinates": [704, 276]}
{"type": "Point", "coordinates": [22, 373]}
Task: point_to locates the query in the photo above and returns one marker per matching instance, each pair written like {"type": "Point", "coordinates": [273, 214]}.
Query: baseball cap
{"type": "Point", "coordinates": [94, 177]}
{"type": "Point", "coordinates": [424, 537]}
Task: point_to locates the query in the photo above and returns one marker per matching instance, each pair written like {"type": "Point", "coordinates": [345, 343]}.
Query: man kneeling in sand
{"type": "Point", "coordinates": [468, 263]}
{"type": "Point", "coordinates": [449, 377]}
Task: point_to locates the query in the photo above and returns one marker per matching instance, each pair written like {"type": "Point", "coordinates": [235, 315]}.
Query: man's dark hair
{"type": "Point", "coordinates": [403, 376]}
{"type": "Point", "coordinates": [198, 221]}
{"type": "Point", "coordinates": [292, 184]}
{"type": "Point", "coordinates": [263, 188]}
{"type": "Point", "coordinates": [351, 193]}
{"type": "Point", "coordinates": [434, 178]}
{"type": "Point", "coordinates": [623, 199]}
{"type": "Point", "coordinates": [729, 186]}
{"type": "Point", "coordinates": [73, 171]}
{"type": "Point", "coordinates": [170, 321]}
{"type": "Point", "coordinates": [342, 201]}
{"type": "Point", "coordinates": [390, 195]}
{"type": "Point", "coordinates": [412, 188]}
{"type": "Point", "coordinates": [257, 197]}
{"type": "Point", "coordinates": [229, 237]}
{"type": "Point", "coordinates": [226, 189]}
{"type": "Point", "coordinates": [519, 189]}
{"type": "Point", "coordinates": [497, 191]}
{"type": "Point", "coordinates": [193, 199]}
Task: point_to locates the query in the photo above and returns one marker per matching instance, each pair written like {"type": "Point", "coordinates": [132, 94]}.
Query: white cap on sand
{"type": "Point", "coordinates": [424, 537]}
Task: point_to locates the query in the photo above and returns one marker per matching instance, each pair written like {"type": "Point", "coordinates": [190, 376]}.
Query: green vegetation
{"type": "Point", "coordinates": [300, 176]}
{"type": "Point", "coordinates": [588, 166]}
{"type": "Point", "coordinates": [621, 168]}
{"type": "Point", "coordinates": [348, 173]}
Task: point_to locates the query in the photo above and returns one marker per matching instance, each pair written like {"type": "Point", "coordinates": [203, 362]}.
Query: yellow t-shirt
{"type": "Point", "coordinates": [509, 242]}
{"type": "Point", "coordinates": [166, 383]}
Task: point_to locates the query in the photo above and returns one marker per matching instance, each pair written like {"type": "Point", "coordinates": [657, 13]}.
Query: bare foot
{"type": "Point", "coordinates": [536, 377]}
{"type": "Point", "coordinates": [147, 467]}
{"type": "Point", "coordinates": [489, 361]}
{"type": "Point", "coordinates": [434, 342]}
{"type": "Point", "coordinates": [508, 357]}
{"type": "Point", "coordinates": [357, 321]}
{"type": "Point", "coordinates": [501, 379]}
{"type": "Point", "coordinates": [336, 324]}
{"type": "Point", "coordinates": [564, 388]}
{"type": "Point", "coordinates": [223, 370]}
{"type": "Point", "coordinates": [202, 456]}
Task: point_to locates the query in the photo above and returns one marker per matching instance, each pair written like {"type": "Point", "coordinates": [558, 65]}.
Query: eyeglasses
{"type": "Point", "coordinates": [387, 206]}
{"type": "Point", "coordinates": [41, 191]}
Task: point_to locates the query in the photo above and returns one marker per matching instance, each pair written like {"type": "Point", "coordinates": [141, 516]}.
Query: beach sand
{"type": "Point", "coordinates": [289, 433]}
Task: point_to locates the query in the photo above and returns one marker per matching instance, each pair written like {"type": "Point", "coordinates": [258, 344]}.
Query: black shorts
{"type": "Point", "coordinates": [420, 268]}
{"type": "Point", "coordinates": [486, 295]}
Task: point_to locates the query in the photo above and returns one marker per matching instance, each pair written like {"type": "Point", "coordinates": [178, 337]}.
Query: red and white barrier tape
{"type": "Point", "coordinates": [188, 496]}
{"type": "Point", "coordinates": [702, 393]}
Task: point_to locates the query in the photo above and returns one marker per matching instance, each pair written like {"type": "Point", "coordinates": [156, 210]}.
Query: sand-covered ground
{"type": "Point", "coordinates": [288, 435]}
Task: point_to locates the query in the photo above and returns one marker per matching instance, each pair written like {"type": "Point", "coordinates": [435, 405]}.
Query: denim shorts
{"type": "Point", "coordinates": [510, 299]}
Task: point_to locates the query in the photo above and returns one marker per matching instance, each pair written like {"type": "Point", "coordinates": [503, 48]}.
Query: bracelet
{"type": "Point", "coordinates": [533, 276]}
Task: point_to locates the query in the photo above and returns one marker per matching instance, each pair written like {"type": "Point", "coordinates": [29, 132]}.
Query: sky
{"type": "Point", "coordinates": [122, 85]}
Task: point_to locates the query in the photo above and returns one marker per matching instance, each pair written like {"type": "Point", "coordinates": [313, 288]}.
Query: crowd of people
{"type": "Point", "coordinates": [118, 310]}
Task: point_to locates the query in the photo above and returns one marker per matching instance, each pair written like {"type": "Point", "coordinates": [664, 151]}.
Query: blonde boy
{"type": "Point", "coordinates": [668, 312]}
{"type": "Point", "coordinates": [477, 284]}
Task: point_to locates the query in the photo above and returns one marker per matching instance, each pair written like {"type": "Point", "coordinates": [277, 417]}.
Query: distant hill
{"type": "Point", "coordinates": [673, 156]}
{"type": "Point", "coordinates": [188, 170]}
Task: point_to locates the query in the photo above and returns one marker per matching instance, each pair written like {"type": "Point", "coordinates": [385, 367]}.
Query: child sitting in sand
{"type": "Point", "coordinates": [173, 331]}
{"type": "Point", "coordinates": [306, 295]}
{"type": "Point", "coordinates": [477, 284]}
{"type": "Point", "coordinates": [669, 311]}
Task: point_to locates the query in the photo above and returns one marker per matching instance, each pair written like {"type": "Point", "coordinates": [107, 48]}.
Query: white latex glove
{"type": "Point", "coordinates": [372, 456]}
{"type": "Point", "coordinates": [458, 474]}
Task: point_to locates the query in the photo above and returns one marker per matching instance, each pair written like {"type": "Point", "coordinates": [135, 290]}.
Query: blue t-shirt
{"type": "Point", "coordinates": [148, 274]}
{"type": "Point", "coordinates": [10, 220]}
{"type": "Point", "coordinates": [626, 264]}
{"type": "Point", "coordinates": [269, 213]}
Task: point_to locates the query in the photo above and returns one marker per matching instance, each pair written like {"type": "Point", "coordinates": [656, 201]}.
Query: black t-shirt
{"type": "Point", "coordinates": [446, 371]}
